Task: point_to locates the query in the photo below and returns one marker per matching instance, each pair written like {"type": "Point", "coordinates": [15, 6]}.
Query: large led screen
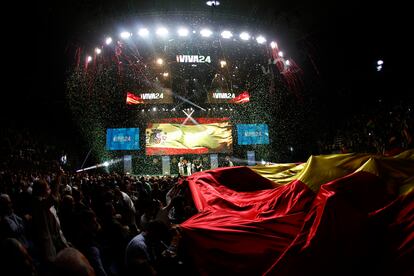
{"type": "Point", "coordinates": [252, 134]}
{"type": "Point", "coordinates": [189, 136]}
{"type": "Point", "coordinates": [122, 138]}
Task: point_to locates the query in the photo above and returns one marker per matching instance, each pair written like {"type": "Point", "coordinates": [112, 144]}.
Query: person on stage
{"type": "Point", "coordinates": [197, 165]}
{"type": "Point", "coordinates": [181, 165]}
{"type": "Point", "coordinates": [228, 162]}
{"type": "Point", "coordinates": [188, 167]}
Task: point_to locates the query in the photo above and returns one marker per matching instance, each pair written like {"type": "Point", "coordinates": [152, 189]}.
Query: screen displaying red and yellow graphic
{"type": "Point", "coordinates": [189, 136]}
{"type": "Point", "coordinates": [133, 99]}
{"type": "Point", "coordinates": [223, 96]}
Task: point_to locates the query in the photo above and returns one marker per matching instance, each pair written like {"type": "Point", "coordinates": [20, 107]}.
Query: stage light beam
{"type": "Point", "coordinates": [245, 36]}
{"type": "Point", "coordinates": [98, 51]}
{"type": "Point", "coordinates": [260, 39]}
{"type": "Point", "coordinates": [108, 40]}
{"type": "Point", "coordinates": [206, 32]}
{"type": "Point", "coordinates": [143, 32]}
{"type": "Point", "coordinates": [182, 32]}
{"type": "Point", "coordinates": [125, 35]}
{"type": "Point", "coordinates": [226, 34]}
{"type": "Point", "coordinates": [273, 45]}
{"type": "Point", "coordinates": [162, 32]}
{"type": "Point", "coordinates": [213, 3]}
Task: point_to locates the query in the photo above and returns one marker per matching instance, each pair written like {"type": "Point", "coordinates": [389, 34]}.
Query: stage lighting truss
{"type": "Point", "coordinates": [163, 33]}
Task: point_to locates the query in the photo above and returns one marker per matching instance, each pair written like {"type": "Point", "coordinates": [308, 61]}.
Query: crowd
{"type": "Point", "coordinates": [384, 130]}
{"type": "Point", "coordinates": [94, 224]}
{"type": "Point", "coordinates": [27, 150]}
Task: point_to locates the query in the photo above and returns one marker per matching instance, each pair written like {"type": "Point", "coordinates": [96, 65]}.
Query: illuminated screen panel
{"type": "Point", "coordinates": [222, 96]}
{"type": "Point", "coordinates": [155, 96]}
{"type": "Point", "coordinates": [183, 136]}
{"type": "Point", "coordinates": [122, 139]}
{"type": "Point", "coordinates": [252, 134]}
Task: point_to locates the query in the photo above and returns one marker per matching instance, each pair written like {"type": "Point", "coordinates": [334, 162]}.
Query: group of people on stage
{"type": "Point", "coordinates": [185, 167]}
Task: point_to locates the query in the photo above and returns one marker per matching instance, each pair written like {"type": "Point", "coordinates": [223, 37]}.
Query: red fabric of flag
{"type": "Point", "coordinates": [351, 225]}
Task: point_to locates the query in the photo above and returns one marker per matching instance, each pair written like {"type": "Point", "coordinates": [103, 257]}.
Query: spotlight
{"type": "Point", "coordinates": [106, 164]}
{"type": "Point", "coordinates": [226, 34]}
{"type": "Point", "coordinates": [280, 54]}
{"type": "Point", "coordinates": [154, 109]}
{"type": "Point", "coordinates": [273, 45]}
{"type": "Point", "coordinates": [98, 51]}
{"type": "Point", "coordinates": [160, 61]}
{"type": "Point", "coordinates": [89, 59]}
{"type": "Point", "coordinates": [182, 32]}
{"type": "Point", "coordinates": [125, 35]}
{"type": "Point", "coordinates": [165, 74]}
{"type": "Point", "coordinates": [287, 62]}
{"type": "Point", "coordinates": [143, 32]}
{"type": "Point", "coordinates": [245, 36]}
{"type": "Point", "coordinates": [213, 3]}
{"type": "Point", "coordinates": [108, 40]}
{"type": "Point", "coordinates": [260, 39]}
{"type": "Point", "coordinates": [206, 32]}
{"type": "Point", "coordinates": [380, 62]}
{"type": "Point", "coordinates": [163, 32]}
{"type": "Point", "coordinates": [223, 63]}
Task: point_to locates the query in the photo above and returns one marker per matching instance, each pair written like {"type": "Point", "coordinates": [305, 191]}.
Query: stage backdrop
{"type": "Point", "coordinates": [189, 136]}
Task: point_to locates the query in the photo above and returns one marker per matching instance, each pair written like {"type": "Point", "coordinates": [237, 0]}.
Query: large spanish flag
{"type": "Point", "coordinates": [172, 138]}
{"type": "Point", "coordinates": [344, 214]}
